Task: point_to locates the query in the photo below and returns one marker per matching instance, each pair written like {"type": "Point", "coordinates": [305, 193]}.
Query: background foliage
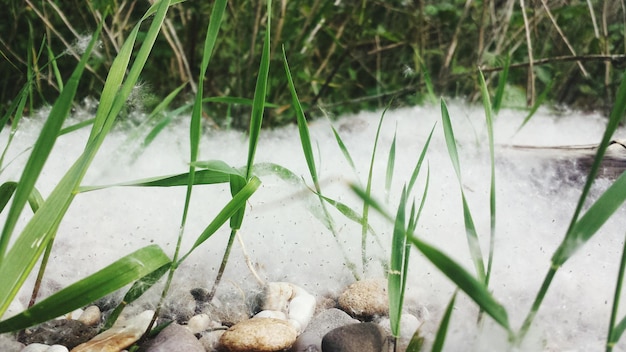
{"type": "Point", "coordinates": [345, 55]}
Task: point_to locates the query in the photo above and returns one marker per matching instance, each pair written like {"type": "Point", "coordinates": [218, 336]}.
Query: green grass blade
{"type": "Point", "coordinates": [614, 334]}
{"type": "Point", "coordinates": [391, 159]}
{"type": "Point", "coordinates": [397, 266]}
{"type": "Point", "coordinates": [538, 103]}
{"type": "Point", "coordinates": [136, 291]}
{"type": "Point", "coordinates": [113, 277]}
{"type": "Point", "coordinates": [234, 205]}
{"type": "Point", "coordinates": [497, 100]}
{"type": "Point", "coordinates": [303, 130]}
{"type": "Point", "coordinates": [42, 148]}
{"type": "Point", "coordinates": [344, 149]}
{"type": "Point", "coordinates": [16, 109]}
{"type": "Point", "coordinates": [617, 333]}
{"type": "Point", "coordinates": [440, 338]}
{"type": "Point", "coordinates": [470, 228]}
{"type": "Point", "coordinates": [420, 160]}
{"type": "Point", "coordinates": [475, 289]}
{"type": "Point", "coordinates": [202, 177]}
{"type": "Point", "coordinates": [260, 91]}
{"type": "Point", "coordinates": [492, 177]}
{"type": "Point", "coordinates": [580, 231]}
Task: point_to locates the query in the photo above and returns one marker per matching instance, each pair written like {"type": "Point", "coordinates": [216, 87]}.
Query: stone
{"type": "Point", "coordinates": [260, 335]}
{"type": "Point", "coordinates": [409, 323]}
{"type": "Point", "coordinates": [198, 323]}
{"type": "Point", "coordinates": [311, 339]}
{"type": "Point", "coordinates": [174, 338]}
{"type": "Point", "coordinates": [9, 344]}
{"type": "Point", "coordinates": [363, 337]}
{"type": "Point", "coordinates": [66, 332]}
{"type": "Point", "coordinates": [39, 347]}
{"type": "Point", "coordinates": [121, 335]}
{"type": "Point", "coordinates": [365, 299]}
{"type": "Point", "coordinates": [90, 316]}
{"type": "Point", "coordinates": [211, 339]}
{"type": "Point", "coordinates": [293, 300]}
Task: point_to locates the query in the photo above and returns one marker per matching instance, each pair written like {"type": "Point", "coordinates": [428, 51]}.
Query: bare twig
{"type": "Point", "coordinates": [558, 29]}
{"type": "Point", "coordinates": [614, 59]}
{"type": "Point", "coordinates": [530, 91]}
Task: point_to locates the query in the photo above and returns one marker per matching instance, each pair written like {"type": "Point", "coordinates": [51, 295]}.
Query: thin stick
{"type": "Point", "coordinates": [530, 92]}
{"type": "Point", "coordinates": [558, 29]}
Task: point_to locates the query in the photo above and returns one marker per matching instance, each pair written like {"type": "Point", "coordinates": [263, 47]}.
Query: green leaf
{"type": "Point", "coordinates": [475, 289]}
{"type": "Point", "coordinates": [397, 266]}
{"type": "Point", "coordinates": [115, 276]}
{"type": "Point", "coordinates": [440, 338]}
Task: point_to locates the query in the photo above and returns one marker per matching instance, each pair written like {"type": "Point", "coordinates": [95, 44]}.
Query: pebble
{"type": "Point", "coordinates": [260, 335]}
{"type": "Point", "coordinates": [90, 316]}
{"type": "Point", "coordinates": [198, 323]}
{"type": "Point", "coordinates": [363, 337]}
{"type": "Point", "coordinates": [365, 299]}
{"type": "Point", "coordinates": [40, 347]}
{"type": "Point", "coordinates": [409, 324]}
{"type": "Point", "coordinates": [297, 304]}
{"type": "Point", "coordinates": [311, 339]}
{"type": "Point", "coordinates": [174, 338]}
{"type": "Point", "coordinates": [64, 332]}
{"type": "Point", "coordinates": [121, 335]}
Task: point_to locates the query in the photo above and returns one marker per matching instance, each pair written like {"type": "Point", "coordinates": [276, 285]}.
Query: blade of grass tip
{"type": "Point", "coordinates": [614, 335]}
{"type": "Point", "coordinates": [303, 130]}
{"type": "Point", "coordinates": [391, 159]}
{"type": "Point", "coordinates": [499, 96]}
{"type": "Point", "coordinates": [470, 229]}
{"type": "Point", "coordinates": [418, 165]}
{"type": "Point", "coordinates": [475, 289]}
{"type": "Point", "coordinates": [107, 280]}
{"type": "Point", "coordinates": [42, 149]}
{"type": "Point", "coordinates": [344, 149]}
{"type": "Point", "coordinates": [440, 338]}
{"type": "Point", "coordinates": [16, 109]}
{"type": "Point", "coordinates": [432, 98]}
{"type": "Point", "coordinates": [575, 237]}
{"type": "Point", "coordinates": [55, 69]}
{"type": "Point", "coordinates": [307, 149]}
{"type": "Point", "coordinates": [492, 164]}
{"type": "Point", "coordinates": [260, 91]}
{"type": "Point", "coordinates": [540, 100]}
{"type": "Point", "coordinates": [394, 279]}
{"type": "Point", "coordinates": [368, 190]}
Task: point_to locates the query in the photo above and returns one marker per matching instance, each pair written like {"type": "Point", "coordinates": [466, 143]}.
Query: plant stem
{"type": "Point", "coordinates": [220, 272]}
{"type": "Point", "coordinates": [536, 304]}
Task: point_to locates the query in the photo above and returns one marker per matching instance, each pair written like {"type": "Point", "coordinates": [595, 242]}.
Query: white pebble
{"type": "Point", "coordinates": [91, 316]}
{"type": "Point", "coordinates": [199, 323]}
{"type": "Point", "coordinates": [36, 347]}
{"type": "Point", "coordinates": [57, 348]}
{"type": "Point", "coordinates": [271, 314]}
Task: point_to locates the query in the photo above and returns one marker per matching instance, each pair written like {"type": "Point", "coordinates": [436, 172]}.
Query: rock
{"type": "Point", "coordinates": [66, 332]}
{"type": "Point", "coordinates": [121, 335]}
{"type": "Point", "coordinates": [409, 323]}
{"type": "Point", "coordinates": [174, 338]}
{"type": "Point", "coordinates": [260, 335]}
{"type": "Point", "coordinates": [180, 307]}
{"type": "Point", "coordinates": [9, 344]}
{"type": "Point", "coordinates": [311, 339]}
{"type": "Point", "coordinates": [39, 347]}
{"type": "Point", "coordinates": [363, 337]}
{"type": "Point", "coordinates": [91, 316]}
{"type": "Point", "coordinates": [365, 299]}
{"type": "Point", "coordinates": [211, 339]}
{"type": "Point", "coordinates": [293, 300]}
{"type": "Point", "coordinates": [198, 323]}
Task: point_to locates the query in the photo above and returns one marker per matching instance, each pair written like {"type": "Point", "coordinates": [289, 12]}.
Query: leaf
{"type": "Point", "coordinates": [440, 338]}
{"type": "Point", "coordinates": [113, 277]}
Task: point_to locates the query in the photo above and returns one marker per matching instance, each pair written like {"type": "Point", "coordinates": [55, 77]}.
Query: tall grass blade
{"type": "Point", "coordinates": [344, 149]}
{"type": "Point", "coordinates": [492, 176]}
{"type": "Point", "coordinates": [470, 229]}
{"type": "Point", "coordinates": [499, 96]}
{"type": "Point", "coordinates": [202, 177]}
{"type": "Point", "coordinates": [420, 160]}
{"type": "Point", "coordinates": [615, 332]}
{"type": "Point", "coordinates": [307, 149]}
{"type": "Point", "coordinates": [391, 159]}
{"type": "Point", "coordinates": [475, 289]}
{"type": "Point", "coordinates": [538, 103]}
{"type": "Point", "coordinates": [19, 261]}
{"type": "Point", "coordinates": [440, 338]}
{"type": "Point", "coordinates": [396, 275]}
{"type": "Point", "coordinates": [113, 277]}
{"type": "Point", "coordinates": [41, 150]}
{"type": "Point", "coordinates": [582, 229]}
